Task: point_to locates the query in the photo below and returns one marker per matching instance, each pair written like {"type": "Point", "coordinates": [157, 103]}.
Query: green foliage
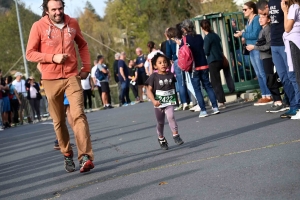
{"type": "Point", "coordinates": [10, 38]}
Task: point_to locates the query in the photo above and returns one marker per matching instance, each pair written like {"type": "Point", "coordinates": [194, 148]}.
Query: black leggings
{"type": "Point", "coordinates": [295, 53]}
{"type": "Point", "coordinates": [35, 107]}
{"type": "Point", "coordinates": [87, 94]}
{"type": "Point", "coordinates": [215, 78]}
{"type": "Point", "coordinates": [134, 89]}
{"type": "Point", "coordinates": [269, 70]}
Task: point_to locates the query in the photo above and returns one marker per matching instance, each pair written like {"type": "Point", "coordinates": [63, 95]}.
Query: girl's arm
{"type": "Point", "coordinates": [135, 76]}
{"type": "Point", "coordinates": [150, 68]}
{"type": "Point", "coordinates": [151, 96]}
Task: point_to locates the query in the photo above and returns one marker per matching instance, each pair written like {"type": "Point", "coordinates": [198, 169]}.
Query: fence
{"type": "Point", "coordinates": [240, 65]}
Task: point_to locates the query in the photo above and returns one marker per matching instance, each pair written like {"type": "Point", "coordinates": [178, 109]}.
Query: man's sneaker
{"type": "Point", "coordinates": [289, 114]}
{"type": "Point", "coordinates": [178, 108]}
{"type": "Point", "coordinates": [297, 116]}
{"type": "Point", "coordinates": [125, 104]}
{"type": "Point", "coordinates": [185, 106]}
{"type": "Point", "coordinates": [203, 114]}
{"type": "Point", "coordinates": [196, 108]}
{"type": "Point", "coordinates": [86, 164]}
{"type": "Point", "coordinates": [263, 101]}
{"type": "Point", "coordinates": [69, 164]}
{"type": "Point", "coordinates": [177, 139]}
{"type": "Point", "coordinates": [56, 145]}
{"type": "Point", "coordinates": [215, 111]}
{"type": "Point", "coordinates": [275, 108]}
{"type": "Point", "coordinates": [132, 103]}
{"type": "Point", "coordinates": [163, 143]}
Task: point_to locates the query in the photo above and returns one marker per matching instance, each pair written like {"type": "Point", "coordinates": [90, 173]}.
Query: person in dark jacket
{"type": "Point", "coordinates": [199, 75]}
{"type": "Point", "coordinates": [214, 52]}
{"type": "Point", "coordinates": [34, 97]}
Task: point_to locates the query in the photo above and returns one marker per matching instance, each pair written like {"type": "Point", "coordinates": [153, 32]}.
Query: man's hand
{"type": "Point", "coordinates": [83, 75]}
{"type": "Point", "coordinates": [59, 58]}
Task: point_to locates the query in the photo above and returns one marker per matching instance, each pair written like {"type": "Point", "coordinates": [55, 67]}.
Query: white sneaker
{"type": "Point", "coordinates": [185, 106]}
{"type": "Point", "coordinates": [297, 116]}
{"type": "Point", "coordinates": [196, 108]}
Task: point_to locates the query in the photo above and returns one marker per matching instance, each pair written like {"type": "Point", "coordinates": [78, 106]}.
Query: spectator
{"type": "Point", "coordinates": [104, 83]}
{"type": "Point", "coordinates": [163, 45]}
{"type": "Point", "coordinates": [291, 40]}
{"type": "Point", "coordinates": [87, 86]}
{"type": "Point", "coordinates": [14, 101]}
{"type": "Point", "coordinates": [133, 76]}
{"type": "Point", "coordinates": [152, 51]}
{"type": "Point", "coordinates": [123, 78]}
{"type": "Point", "coordinates": [250, 33]}
{"type": "Point", "coordinates": [2, 85]}
{"type": "Point", "coordinates": [142, 76]}
{"type": "Point", "coordinates": [263, 44]}
{"type": "Point", "coordinates": [215, 57]}
{"type": "Point", "coordinates": [19, 84]}
{"type": "Point", "coordinates": [171, 48]}
{"type": "Point", "coordinates": [60, 73]}
{"type": "Point", "coordinates": [116, 76]}
{"type": "Point", "coordinates": [96, 81]}
{"type": "Point", "coordinates": [43, 101]}
{"type": "Point", "coordinates": [199, 77]}
{"type": "Point", "coordinates": [288, 80]}
{"type": "Point", "coordinates": [34, 97]}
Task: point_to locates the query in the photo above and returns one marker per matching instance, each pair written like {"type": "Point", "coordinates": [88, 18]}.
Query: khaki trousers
{"type": "Point", "coordinates": [55, 90]}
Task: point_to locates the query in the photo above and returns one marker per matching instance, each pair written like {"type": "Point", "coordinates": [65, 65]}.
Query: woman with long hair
{"type": "Point", "coordinates": [152, 51]}
{"type": "Point", "coordinates": [250, 34]}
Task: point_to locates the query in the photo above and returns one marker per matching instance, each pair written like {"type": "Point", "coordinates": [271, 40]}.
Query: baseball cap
{"type": "Point", "coordinates": [18, 74]}
{"type": "Point", "coordinates": [31, 77]}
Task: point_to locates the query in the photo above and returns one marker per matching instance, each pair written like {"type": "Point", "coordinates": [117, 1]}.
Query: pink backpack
{"type": "Point", "coordinates": [185, 57]}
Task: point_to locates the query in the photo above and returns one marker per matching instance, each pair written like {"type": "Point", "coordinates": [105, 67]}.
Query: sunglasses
{"type": "Point", "coordinates": [245, 9]}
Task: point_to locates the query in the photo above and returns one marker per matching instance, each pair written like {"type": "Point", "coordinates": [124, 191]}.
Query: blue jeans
{"type": "Point", "coordinates": [202, 77]}
{"type": "Point", "coordinates": [260, 72]}
{"type": "Point", "coordinates": [182, 89]}
{"type": "Point", "coordinates": [125, 91]}
{"type": "Point", "coordinates": [288, 79]}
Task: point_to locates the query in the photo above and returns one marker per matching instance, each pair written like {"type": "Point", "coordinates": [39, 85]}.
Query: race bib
{"type": "Point", "coordinates": [166, 98]}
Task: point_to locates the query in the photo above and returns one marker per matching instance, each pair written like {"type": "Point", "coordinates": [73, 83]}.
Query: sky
{"type": "Point", "coordinates": [72, 7]}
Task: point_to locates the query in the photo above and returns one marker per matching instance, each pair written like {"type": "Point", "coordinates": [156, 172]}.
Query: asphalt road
{"type": "Point", "coordinates": [242, 153]}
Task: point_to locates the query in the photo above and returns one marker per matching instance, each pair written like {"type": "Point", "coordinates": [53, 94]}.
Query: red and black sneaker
{"type": "Point", "coordinates": [69, 164]}
{"type": "Point", "coordinates": [86, 164]}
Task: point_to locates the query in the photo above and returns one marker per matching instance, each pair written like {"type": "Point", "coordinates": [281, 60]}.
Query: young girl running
{"type": "Point", "coordinates": [161, 92]}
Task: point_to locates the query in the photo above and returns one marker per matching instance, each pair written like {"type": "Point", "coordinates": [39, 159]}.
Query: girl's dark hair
{"type": "Point", "coordinates": [45, 6]}
{"type": "Point", "coordinates": [156, 56]}
{"type": "Point", "coordinates": [172, 32]}
{"type": "Point", "coordinates": [205, 25]}
{"type": "Point", "coordinates": [179, 31]}
{"type": "Point", "coordinates": [9, 79]}
{"type": "Point", "coordinates": [150, 46]}
{"type": "Point", "coordinates": [251, 4]}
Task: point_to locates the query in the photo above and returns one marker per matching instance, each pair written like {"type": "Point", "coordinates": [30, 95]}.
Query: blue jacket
{"type": "Point", "coordinates": [252, 31]}
{"type": "Point", "coordinates": [171, 50]}
{"type": "Point", "coordinates": [197, 47]}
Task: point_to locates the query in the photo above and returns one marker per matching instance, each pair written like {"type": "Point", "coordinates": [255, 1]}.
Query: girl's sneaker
{"type": "Point", "coordinates": [163, 143]}
{"type": "Point", "coordinates": [203, 114]}
{"type": "Point", "coordinates": [178, 140]}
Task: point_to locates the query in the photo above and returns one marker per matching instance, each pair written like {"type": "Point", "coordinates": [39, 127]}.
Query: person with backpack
{"type": "Point", "coordinates": [14, 99]}
{"type": "Point", "coordinates": [191, 58]}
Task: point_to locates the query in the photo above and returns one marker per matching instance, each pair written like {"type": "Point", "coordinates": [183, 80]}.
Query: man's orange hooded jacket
{"type": "Point", "coordinates": [46, 40]}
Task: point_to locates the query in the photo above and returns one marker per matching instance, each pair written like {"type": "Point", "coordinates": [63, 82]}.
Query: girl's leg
{"type": "Point", "coordinates": [295, 52]}
{"type": "Point", "coordinates": [169, 111]}
{"type": "Point", "coordinates": [160, 118]}
{"type": "Point", "coordinates": [215, 77]}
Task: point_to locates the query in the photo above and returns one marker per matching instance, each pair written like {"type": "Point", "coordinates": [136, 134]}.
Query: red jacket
{"type": "Point", "coordinates": [46, 39]}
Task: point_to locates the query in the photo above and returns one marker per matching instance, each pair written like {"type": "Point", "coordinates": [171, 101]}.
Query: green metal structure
{"type": "Point", "coordinates": [240, 66]}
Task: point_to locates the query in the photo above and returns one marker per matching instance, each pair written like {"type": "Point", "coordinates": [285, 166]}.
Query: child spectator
{"type": "Point", "coordinates": [161, 91]}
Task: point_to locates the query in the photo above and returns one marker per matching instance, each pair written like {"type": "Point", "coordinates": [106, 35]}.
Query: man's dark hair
{"type": "Point", "coordinates": [9, 79]}
{"type": "Point", "coordinates": [261, 4]}
{"type": "Point", "coordinates": [45, 6]}
{"type": "Point", "coordinates": [99, 57]}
